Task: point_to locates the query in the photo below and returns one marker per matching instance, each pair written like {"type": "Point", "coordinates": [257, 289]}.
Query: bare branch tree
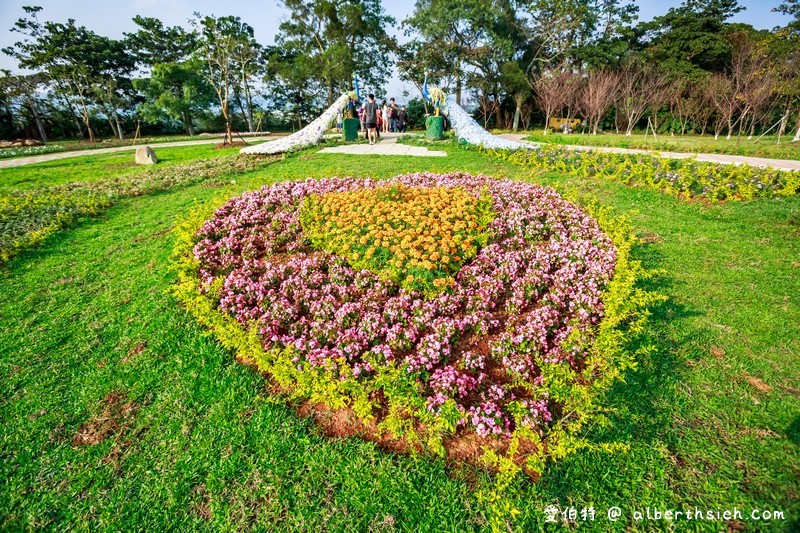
{"type": "Point", "coordinates": [679, 105]}
{"type": "Point", "coordinates": [658, 88]}
{"type": "Point", "coordinates": [754, 82]}
{"type": "Point", "coordinates": [598, 94]}
{"type": "Point", "coordinates": [552, 93]}
{"type": "Point", "coordinates": [722, 95]}
{"type": "Point", "coordinates": [635, 94]}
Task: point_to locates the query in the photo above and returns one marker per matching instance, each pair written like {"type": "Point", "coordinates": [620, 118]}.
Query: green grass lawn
{"type": "Point", "coordinates": [91, 339]}
{"type": "Point", "coordinates": [99, 166]}
{"type": "Point", "coordinates": [69, 145]}
{"type": "Point", "coordinates": [766, 147]}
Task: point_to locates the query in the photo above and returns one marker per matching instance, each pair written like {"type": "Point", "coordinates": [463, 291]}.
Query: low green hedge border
{"type": "Point", "coordinates": [684, 178]}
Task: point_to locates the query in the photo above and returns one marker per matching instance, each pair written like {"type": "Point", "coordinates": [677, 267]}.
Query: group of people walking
{"type": "Point", "coordinates": [384, 117]}
{"type": "Point", "coordinates": [389, 117]}
{"type": "Point", "coordinates": [377, 118]}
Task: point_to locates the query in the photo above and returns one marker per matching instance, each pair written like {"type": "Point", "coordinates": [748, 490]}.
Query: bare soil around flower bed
{"type": "Point", "coordinates": [462, 448]}
{"type": "Point", "coordinates": [234, 144]}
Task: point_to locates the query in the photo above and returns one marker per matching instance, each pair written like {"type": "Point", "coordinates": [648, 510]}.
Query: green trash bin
{"type": "Point", "coordinates": [350, 129]}
{"type": "Point", "coordinates": [434, 128]}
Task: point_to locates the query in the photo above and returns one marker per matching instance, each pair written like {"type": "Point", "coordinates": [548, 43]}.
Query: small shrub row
{"type": "Point", "coordinates": [688, 144]}
{"type": "Point", "coordinates": [685, 178]}
{"type": "Point", "coordinates": [75, 146]}
{"type": "Point", "coordinates": [26, 151]}
{"type": "Point", "coordinates": [28, 217]}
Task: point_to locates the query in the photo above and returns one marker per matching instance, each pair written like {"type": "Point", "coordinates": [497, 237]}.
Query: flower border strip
{"type": "Point", "coordinates": [683, 178]}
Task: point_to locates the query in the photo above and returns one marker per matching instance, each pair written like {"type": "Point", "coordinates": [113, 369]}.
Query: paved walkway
{"type": "Point", "coordinates": [20, 161]}
{"type": "Point", "coordinates": [387, 146]}
{"type": "Point", "coordinates": [780, 164]}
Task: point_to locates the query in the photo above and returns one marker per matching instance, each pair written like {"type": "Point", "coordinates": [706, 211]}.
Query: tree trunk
{"type": "Point", "coordinates": [76, 121]}
{"type": "Point", "coordinates": [226, 114]}
{"type": "Point", "coordinates": [248, 100]}
{"type": "Point", "coordinates": [237, 97]}
{"type": "Point", "coordinates": [797, 131]}
{"type": "Point", "coordinates": [187, 121]}
{"type": "Point", "coordinates": [88, 125]}
{"type": "Point", "coordinates": [516, 118]}
{"type": "Point", "coordinates": [85, 113]}
{"type": "Point", "coordinates": [120, 131]}
{"type": "Point", "coordinates": [61, 92]}
{"type": "Point", "coordinates": [784, 121]}
{"type": "Point", "coordinates": [38, 120]}
{"type": "Point", "coordinates": [111, 125]}
{"type": "Point", "coordinates": [458, 83]}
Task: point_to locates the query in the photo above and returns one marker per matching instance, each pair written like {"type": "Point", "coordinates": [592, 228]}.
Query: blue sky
{"type": "Point", "coordinates": [112, 18]}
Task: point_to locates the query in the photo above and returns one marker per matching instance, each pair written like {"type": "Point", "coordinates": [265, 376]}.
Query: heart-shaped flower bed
{"type": "Point", "coordinates": [333, 287]}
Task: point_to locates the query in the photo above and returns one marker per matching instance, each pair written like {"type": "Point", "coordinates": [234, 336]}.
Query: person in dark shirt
{"type": "Point", "coordinates": [393, 112]}
{"type": "Point", "coordinates": [402, 118]}
{"type": "Point", "coordinates": [371, 111]}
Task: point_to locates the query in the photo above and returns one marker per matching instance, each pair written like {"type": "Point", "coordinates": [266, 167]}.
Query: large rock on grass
{"type": "Point", "coordinates": [145, 156]}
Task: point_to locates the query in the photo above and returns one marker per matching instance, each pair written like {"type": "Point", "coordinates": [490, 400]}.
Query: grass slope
{"type": "Point", "coordinates": [712, 418]}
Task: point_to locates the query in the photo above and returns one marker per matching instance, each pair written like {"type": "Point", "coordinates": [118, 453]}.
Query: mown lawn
{"type": "Point", "coordinates": [71, 145]}
{"type": "Point", "coordinates": [94, 348]}
{"type": "Point", "coordinates": [765, 147]}
{"type": "Point", "coordinates": [99, 166]}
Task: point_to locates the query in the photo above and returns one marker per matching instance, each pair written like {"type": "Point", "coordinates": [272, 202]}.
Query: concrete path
{"type": "Point", "coordinates": [780, 164]}
{"type": "Point", "coordinates": [387, 146]}
{"type": "Point", "coordinates": [20, 161]}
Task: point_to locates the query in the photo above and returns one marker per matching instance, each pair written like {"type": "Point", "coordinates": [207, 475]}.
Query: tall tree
{"type": "Point", "coordinates": [82, 65]}
{"type": "Point", "coordinates": [417, 59]}
{"type": "Point", "coordinates": [517, 86]}
{"type": "Point", "coordinates": [221, 39]}
{"type": "Point", "coordinates": [177, 90]}
{"type": "Point", "coordinates": [112, 88]}
{"type": "Point", "coordinates": [786, 42]}
{"type": "Point", "coordinates": [598, 94]}
{"type": "Point", "coordinates": [462, 34]}
{"type": "Point", "coordinates": [21, 94]}
{"type": "Point", "coordinates": [155, 44]}
{"type": "Point", "coordinates": [690, 39]}
{"type": "Point", "coordinates": [175, 86]}
{"type": "Point", "coordinates": [251, 64]}
{"type": "Point", "coordinates": [554, 90]}
{"type": "Point", "coordinates": [338, 39]}
{"type": "Point", "coordinates": [292, 86]}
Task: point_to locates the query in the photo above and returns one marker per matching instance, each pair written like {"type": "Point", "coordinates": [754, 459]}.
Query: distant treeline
{"type": "Point", "coordinates": [518, 63]}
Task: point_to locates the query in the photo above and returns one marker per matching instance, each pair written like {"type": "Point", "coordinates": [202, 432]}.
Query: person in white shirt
{"type": "Point", "coordinates": [385, 116]}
